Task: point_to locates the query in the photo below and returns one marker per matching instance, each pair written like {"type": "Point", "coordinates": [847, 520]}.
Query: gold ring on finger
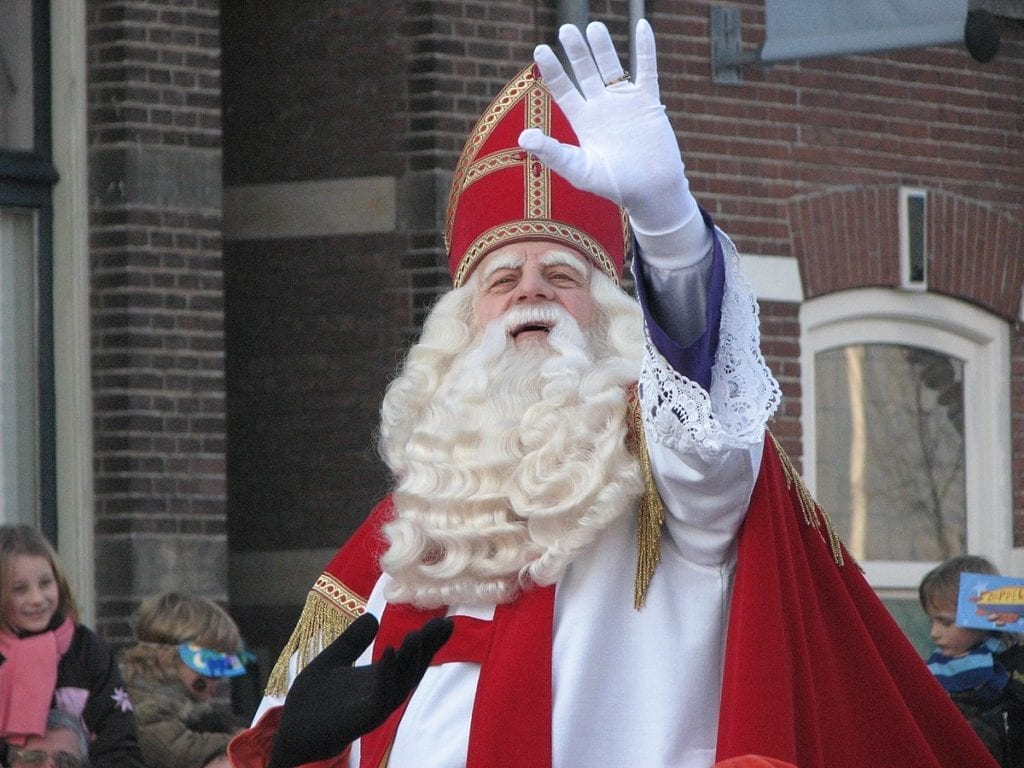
{"type": "Point", "coordinates": [624, 77]}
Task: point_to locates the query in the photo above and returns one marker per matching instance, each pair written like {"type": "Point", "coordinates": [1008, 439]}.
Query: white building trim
{"type": "Point", "coordinates": [978, 338]}
{"type": "Point", "coordinates": [73, 386]}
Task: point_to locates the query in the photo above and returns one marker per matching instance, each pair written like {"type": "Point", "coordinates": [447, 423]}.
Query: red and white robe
{"type": "Point", "coordinates": [758, 633]}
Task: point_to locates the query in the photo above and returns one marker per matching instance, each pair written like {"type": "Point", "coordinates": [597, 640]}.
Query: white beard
{"type": "Point", "coordinates": [509, 462]}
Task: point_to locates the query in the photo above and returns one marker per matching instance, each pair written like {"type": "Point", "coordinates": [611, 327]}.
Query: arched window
{"type": "Point", "coordinates": [907, 432]}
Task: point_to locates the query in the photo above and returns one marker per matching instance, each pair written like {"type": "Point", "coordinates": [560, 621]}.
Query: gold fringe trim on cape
{"type": "Point", "coordinates": [814, 515]}
{"type": "Point", "coordinates": [652, 509]}
{"type": "Point", "coordinates": [330, 609]}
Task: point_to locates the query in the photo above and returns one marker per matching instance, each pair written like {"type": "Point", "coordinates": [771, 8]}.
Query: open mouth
{"type": "Point", "coordinates": [532, 322]}
{"type": "Point", "coordinates": [522, 328]}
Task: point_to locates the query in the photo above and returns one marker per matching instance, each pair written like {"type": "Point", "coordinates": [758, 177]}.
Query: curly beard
{"type": "Point", "coordinates": [509, 461]}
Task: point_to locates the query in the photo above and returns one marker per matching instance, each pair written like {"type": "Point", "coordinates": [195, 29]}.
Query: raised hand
{"type": "Point", "coordinates": [628, 151]}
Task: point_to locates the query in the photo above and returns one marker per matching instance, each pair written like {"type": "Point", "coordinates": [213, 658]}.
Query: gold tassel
{"type": "Point", "coordinates": [330, 609]}
{"type": "Point", "coordinates": [652, 509]}
{"type": "Point", "coordinates": [814, 515]}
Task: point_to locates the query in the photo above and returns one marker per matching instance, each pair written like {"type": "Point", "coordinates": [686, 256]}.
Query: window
{"type": "Point", "coordinates": [19, 406]}
{"type": "Point", "coordinates": [27, 176]}
{"type": "Point", "coordinates": [890, 450]}
{"type": "Point", "coordinates": [915, 464]}
{"type": "Point", "coordinates": [913, 238]}
{"type": "Point", "coordinates": [17, 111]}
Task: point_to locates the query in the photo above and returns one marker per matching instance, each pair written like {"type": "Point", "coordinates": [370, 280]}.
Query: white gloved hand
{"type": "Point", "coordinates": [628, 151]}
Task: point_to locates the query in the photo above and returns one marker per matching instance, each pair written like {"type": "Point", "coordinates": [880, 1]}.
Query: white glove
{"type": "Point", "coordinates": [628, 151]}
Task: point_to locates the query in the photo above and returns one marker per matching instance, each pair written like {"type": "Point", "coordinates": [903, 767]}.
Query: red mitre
{"type": "Point", "coordinates": [501, 194]}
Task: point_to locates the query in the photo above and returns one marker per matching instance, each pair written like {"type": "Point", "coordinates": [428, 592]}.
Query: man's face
{"type": "Point", "coordinates": [57, 748]}
{"type": "Point", "coordinates": [532, 273]}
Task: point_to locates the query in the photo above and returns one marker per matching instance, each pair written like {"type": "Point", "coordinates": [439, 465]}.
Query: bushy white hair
{"type": "Point", "coordinates": [508, 462]}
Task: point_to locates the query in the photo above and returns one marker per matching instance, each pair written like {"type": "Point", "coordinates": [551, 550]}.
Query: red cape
{"type": "Point", "coordinates": [817, 673]}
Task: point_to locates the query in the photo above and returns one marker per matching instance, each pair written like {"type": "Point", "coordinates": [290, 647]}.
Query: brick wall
{"type": "Point", "coordinates": [929, 117]}
{"type": "Point", "coordinates": [312, 91]}
{"type": "Point", "coordinates": [312, 345]}
{"type": "Point", "coordinates": [780, 344]}
{"type": "Point", "coordinates": [317, 325]}
{"type": "Point", "coordinates": [803, 160]}
{"type": "Point", "coordinates": [157, 316]}
{"type": "Point", "coordinates": [847, 238]}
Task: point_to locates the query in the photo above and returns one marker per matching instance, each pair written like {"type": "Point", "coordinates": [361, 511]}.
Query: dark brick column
{"type": "Point", "coordinates": [157, 302]}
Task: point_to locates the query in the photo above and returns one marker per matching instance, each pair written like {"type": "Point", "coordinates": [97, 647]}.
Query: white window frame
{"type": "Point", "coordinates": [950, 327]}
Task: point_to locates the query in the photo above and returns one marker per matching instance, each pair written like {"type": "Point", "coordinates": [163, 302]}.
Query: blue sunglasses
{"type": "Point", "coordinates": [209, 663]}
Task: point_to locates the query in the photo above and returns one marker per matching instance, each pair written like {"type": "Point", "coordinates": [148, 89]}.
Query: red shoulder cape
{"type": "Point", "coordinates": [817, 672]}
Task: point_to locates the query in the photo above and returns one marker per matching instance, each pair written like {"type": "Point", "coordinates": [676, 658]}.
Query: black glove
{"type": "Point", "coordinates": [331, 703]}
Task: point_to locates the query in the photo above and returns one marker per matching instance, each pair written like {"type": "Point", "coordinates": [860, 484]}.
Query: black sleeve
{"type": "Point", "coordinates": [1013, 660]}
{"type": "Point", "coordinates": [108, 711]}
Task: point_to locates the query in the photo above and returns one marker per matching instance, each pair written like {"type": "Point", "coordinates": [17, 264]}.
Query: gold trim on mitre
{"type": "Point", "coordinates": [527, 102]}
{"type": "Point", "coordinates": [556, 231]}
{"type": "Point", "coordinates": [461, 178]}
{"type": "Point", "coordinates": [330, 609]}
{"type": "Point", "coordinates": [496, 161]}
{"type": "Point", "coordinates": [537, 176]}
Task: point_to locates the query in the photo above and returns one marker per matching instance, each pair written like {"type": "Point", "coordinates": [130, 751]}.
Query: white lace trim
{"type": "Point", "coordinates": [744, 395]}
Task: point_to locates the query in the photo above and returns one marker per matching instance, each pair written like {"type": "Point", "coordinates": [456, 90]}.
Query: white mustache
{"type": "Point", "coordinates": [565, 338]}
{"type": "Point", "coordinates": [564, 334]}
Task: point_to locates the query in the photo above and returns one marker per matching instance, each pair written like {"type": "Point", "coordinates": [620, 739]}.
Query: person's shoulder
{"type": "Point", "coordinates": [88, 637]}
{"type": "Point", "coordinates": [1012, 659]}
{"type": "Point", "coordinates": [1011, 653]}
{"type": "Point", "coordinates": [88, 645]}
{"type": "Point", "coordinates": [154, 704]}
{"type": "Point", "coordinates": [360, 552]}
{"type": "Point", "coordinates": [383, 512]}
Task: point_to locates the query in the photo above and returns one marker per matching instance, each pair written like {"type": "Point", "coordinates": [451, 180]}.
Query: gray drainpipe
{"type": "Point", "coordinates": [578, 12]}
{"type": "Point", "coordinates": [636, 12]}
{"type": "Point", "coordinates": [573, 12]}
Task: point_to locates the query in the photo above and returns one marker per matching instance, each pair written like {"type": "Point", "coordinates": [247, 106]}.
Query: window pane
{"type": "Point", "coordinates": [19, 440]}
{"type": "Point", "coordinates": [915, 238]}
{"type": "Point", "coordinates": [16, 119]}
{"type": "Point", "coordinates": [890, 463]}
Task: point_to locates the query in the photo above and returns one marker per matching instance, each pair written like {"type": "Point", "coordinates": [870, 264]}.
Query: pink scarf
{"type": "Point", "coordinates": [28, 678]}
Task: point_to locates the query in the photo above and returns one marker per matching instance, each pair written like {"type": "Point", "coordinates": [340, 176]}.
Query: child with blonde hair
{"type": "Point", "coordinates": [185, 645]}
{"type": "Point", "coordinates": [49, 660]}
